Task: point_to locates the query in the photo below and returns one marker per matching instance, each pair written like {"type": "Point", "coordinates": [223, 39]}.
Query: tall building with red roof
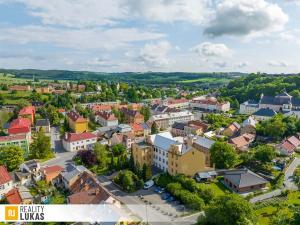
{"type": "Point", "coordinates": [20, 126]}
{"type": "Point", "coordinates": [28, 112]}
{"type": "Point", "coordinates": [6, 183]}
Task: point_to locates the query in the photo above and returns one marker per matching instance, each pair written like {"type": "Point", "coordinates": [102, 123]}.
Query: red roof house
{"type": "Point", "coordinates": [28, 112]}
{"type": "Point", "coordinates": [13, 197]}
{"type": "Point", "coordinates": [4, 175]}
{"type": "Point", "coordinates": [20, 126]}
{"type": "Point", "coordinates": [51, 172]}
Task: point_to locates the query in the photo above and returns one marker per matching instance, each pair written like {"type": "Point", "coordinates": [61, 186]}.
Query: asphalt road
{"type": "Point", "coordinates": [288, 175]}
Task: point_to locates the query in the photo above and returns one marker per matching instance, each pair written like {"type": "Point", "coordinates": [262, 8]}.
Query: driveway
{"type": "Point", "coordinates": [56, 143]}
{"type": "Point", "coordinates": [157, 212]}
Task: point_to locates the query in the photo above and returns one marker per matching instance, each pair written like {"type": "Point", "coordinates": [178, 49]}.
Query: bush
{"type": "Point", "coordinates": [163, 180]}
{"type": "Point", "coordinates": [128, 181]}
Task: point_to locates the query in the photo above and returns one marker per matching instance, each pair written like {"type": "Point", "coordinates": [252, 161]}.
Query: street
{"type": "Point", "coordinates": [288, 175]}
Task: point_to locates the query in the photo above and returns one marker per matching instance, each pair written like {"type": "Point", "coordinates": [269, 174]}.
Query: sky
{"type": "Point", "coordinates": [151, 35]}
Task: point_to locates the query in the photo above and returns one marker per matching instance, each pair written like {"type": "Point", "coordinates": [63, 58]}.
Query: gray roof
{"type": "Point", "coordinates": [73, 171]}
{"type": "Point", "coordinates": [204, 142]}
{"type": "Point", "coordinates": [178, 126]}
{"type": "Point", "coordinates": [43, 122]}
{"type": "Point", "coordinates": [265, 112]}
{"type": "Point", "coordinates": [24, 192]}
{"type": "Point", "coordinates": [282, 98]}
{"type": "Point", "coordinates": [244, 178]}
{"type": "Point", "coordinates": [163, 140]}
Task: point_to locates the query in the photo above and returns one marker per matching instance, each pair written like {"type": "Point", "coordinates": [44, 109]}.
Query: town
{"type": "Point", "coordinates": [180, 154]}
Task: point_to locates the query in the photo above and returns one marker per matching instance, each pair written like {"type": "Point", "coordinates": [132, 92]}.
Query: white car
{"type": "Point", "coordinates": [148, 184]}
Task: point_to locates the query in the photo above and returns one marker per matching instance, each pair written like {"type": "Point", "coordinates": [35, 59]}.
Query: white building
{"type": "Point", "coordinates": [6, 183]}
{"type": "Point", "coordinates": [106, 119]}
{"type": "Point", "coordinates": [166, 120]}
{"type": "Point", "coordinates": [207, 103]}
{"type": "Point", "coordinates": [74, 142]}
{"type": "Point", "coordinates": [249, 107]}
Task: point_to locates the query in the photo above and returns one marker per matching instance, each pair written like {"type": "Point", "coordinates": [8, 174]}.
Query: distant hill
{"type": "Point", "coordinates": [151, 78]}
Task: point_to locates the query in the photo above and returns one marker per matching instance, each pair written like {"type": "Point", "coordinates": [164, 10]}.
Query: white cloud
{"type": "Point", "coordinates": [273, 63]}
{"type": "Point", "coordinates": [208, 49]}
{"type": "Point", "coordinates": [246, 17]}
{"type": "Point", "coordinates": [81, 39]}
{"type": "Point", "coordinates": [243, 64]}
{"type": "Point", "coordinates": [156, 54]}
{"type": "Point", "coordinates": [290, 36]}
{"type": "Point", "coordinates": [221, 64]}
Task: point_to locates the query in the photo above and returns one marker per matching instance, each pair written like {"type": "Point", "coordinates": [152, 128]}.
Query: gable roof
{"type": "Point", "coordinates": [13, 138]}
{"type": "Point", "coordinates": [52, 169]}
{"type": "Point", "coordinates": [265, 112]}
{"type": "Point", "coordinates": [71, 137]}
{"type": "Point", "coordinates": [106, 115]}
{"type": "Point", "coordinates": [163, 140]}
{"type": "Point", "coordinates": [76, 117]}
{"type": "Point", "coordinates": [289, 147]}
{"type": "Point", "coordinates": [239, 141]}
{"type": "Point", "coordinates": [43, 122]}
{"type": "Point", "coordinates": [27, 110]}
{"type": "Point", "coordinates": [4, 175]}
{"type": "Point", "coordinates": [294, 141]}
{"type": "Point", "coordinates": [20, 125]}
{"type": "Point", "coordinates": [179, 126]}
{"type": "Point", "coordinates": [204, 142]}
{"type": "Point", "coordinates": [13, 197]}
{"type": "Point", "coordinates": [244, 178]}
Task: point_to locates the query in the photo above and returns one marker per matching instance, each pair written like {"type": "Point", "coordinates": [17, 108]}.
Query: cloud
{"type": "Point", "coordinates": [101, 62]}
{"type": "Point", "coordinates": [156, 54]}
{"type": "Point", "coordinates": [246, 17]}
{"type": "Point", "coordinates": [80, 39]}
{"type": "Point", "coordinates": [243, 64]}
{"type": "Point", "coordinates": [278, 64]}
{"type": "Point", "coordinates": [220, 64]}
{"type": "Point", "coordinates": [290, 36]}
{"type": "Point", "coordinates": [192, 11]}
{"type": "Point", "coordinates": [208, 49]}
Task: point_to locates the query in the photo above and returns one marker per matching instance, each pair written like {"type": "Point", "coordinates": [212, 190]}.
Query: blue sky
{"type": "Point", "coordinates": [156, 35]}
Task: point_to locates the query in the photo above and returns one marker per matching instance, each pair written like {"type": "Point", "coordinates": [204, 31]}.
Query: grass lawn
{"type": "Point", "coordinates": [294, 198]}
{"type": "Point", "coordinates": [264, 214]}
{"type": "Point", "coordinates": [58, 198]}
{"type": "Point", "coordinates": [219, 188]}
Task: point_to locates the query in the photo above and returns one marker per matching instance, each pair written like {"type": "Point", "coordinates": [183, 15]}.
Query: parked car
{"type": "Point", "coordinates": [148, 184]}
{"type": "Point", "coordinates": [171, 199]}
{"type": "Point", "coordinates": [165, 196]}
{"type": "Point", "coordinates": [162, 190]}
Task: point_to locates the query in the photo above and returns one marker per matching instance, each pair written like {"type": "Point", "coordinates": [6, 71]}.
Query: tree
{"type": "Point", "coordinates": [264, 153]}
{"type": "Point", "coordinates": [146, 172]}
{"type": "Point", "coordinates": [223, 155]}
{"type": "Point", "coordinates": [128, 181]}
{"type": "Point", "coordinates": [11, 157]}
{"type": "Point", "coordinates": [87, 157]}
{"type": "Point", "coordinates": [228, 210]}
{"type": "Point", "coordinates": [101, 154]}
{"type": "Point", "coordinates": [145, 111]}
{"type": "Point", "coordinates": [118, 149]}
{"type": "Point", "coordinates": [41, 146]}
{"type": "Point", "coordinates": [154, 129]}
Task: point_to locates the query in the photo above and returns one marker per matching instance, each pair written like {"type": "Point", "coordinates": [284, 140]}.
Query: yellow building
{"type": "Point", "coordinates": [77, 123]}
{"type": "Point", "coordinates": [142, 153]}
{"type": "Point", "coordinates": [186, 156]}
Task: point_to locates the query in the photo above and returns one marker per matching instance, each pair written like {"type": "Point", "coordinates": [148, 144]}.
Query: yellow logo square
{"type": "Point", "coordinates": [11, 213]}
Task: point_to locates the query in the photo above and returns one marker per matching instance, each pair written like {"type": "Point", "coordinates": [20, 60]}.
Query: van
{"type": "Point", "coordinates": [148, 184]}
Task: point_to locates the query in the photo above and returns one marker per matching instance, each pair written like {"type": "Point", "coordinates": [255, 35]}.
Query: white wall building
{"type": "Point", "coordinates": [106, 119]}
{"type": "Point", "coordinates": [6, 183]}
{"type": "Point", "coordinates": [209, 104]}
{"type": "Point", "coordinates": [249, 107]}
{"type": "Point", "coordinates": [74, 142]}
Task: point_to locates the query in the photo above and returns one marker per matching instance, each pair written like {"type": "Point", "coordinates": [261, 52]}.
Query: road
{"type": "Point", "coordinates": [288, 175]}
{"type": "Point", "coordinates": [56, 143]}
{"type": "Point", "coordinates": [141, 210]}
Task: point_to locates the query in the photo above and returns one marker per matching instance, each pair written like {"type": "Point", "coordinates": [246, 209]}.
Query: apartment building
{"type": "Point", "coordinates": [211, 104]}
{"type": "Point", "coordinates": [106, 119]}
{"type": "Point", "coordinates": [74, 142]}
{"type": "Point", "coordinates": [132, 116]}
{"type": "Point", "coordinates": [16, 140]}
{"type": "Point", "coordinates": [165, 120]}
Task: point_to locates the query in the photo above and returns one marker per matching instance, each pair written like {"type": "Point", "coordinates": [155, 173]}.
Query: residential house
{"type": "Point", "coordinates": [77, 123]}
{"type": "Point", "coordinates": [6, 182]}
{"type": "Point", "coordinates": [166, 120]}
{"type": "Point", "coordinates": [19, 140]}
{"type": "Point", "coordinates": [88, 190]}
{"type": "Point", "coordinates": [194, 127]}
{"type": "Point", "coordinates": [50, 173]}
{"type": "Point", "coordinates": [44, 125]}
{"type": "Point", "coordinates": [33, 168]}
{"type": "Point", "coordinates": [132, 116]}
{"type": "Point", "coordinates": [123, 128]}
{"type": "Point", "coordinates": [244, 180]}
{"type": "Point", "coordinates": [140, 129]}
{"type": "Point", "coordinates": [282, 102]}
{"type": "Point", "coordinates": [106, 119]}
{"type": "Point", "coordinates": [20, 195]}
{"type": "Point", "coordinates": [126, 139]}
{"type": "Point", "coordinates": [205, 176]}
{"type": "Point", "coordinates": [74, 142]}
{"type": "Point", "coordinates": [20, 126]}
{"type": "Point", "coordinates": [69, 176]}
{"type": "Point", "coordinates": [174, 155]}
{"type": "Point", "coordinates": [20, 88]}
{"type": "Point", "coordinates": [264, 114]}
{"type": "Point", "coordinates": [207, 103]}
{"type": "Point", "coordinates": [27, 112]}
{"type": "Point", "coordinates": [232, 129]}
{"type": "Point", "coordinates": [101, 108]}
{"type": "Point", "coordinates": [288, 146]}
{"type": "Point", "coordinates": [21, 178]}
{"type": "Point", "coordinates": [43, 90]}
{"type": "Point", "coordinates": [249, 126]}
{"type": "Point", "coordinates": [242, 142]}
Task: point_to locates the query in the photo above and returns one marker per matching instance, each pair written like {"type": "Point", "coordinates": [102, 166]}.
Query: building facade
{"type": "Point", "coordinates": [211, 104]}
{"type": "Point", "coordinates": [74, 142]}
{"type": "Point", "coordinates": [17, 140]}
{"type": "Point", "coordinates": [77, 123]}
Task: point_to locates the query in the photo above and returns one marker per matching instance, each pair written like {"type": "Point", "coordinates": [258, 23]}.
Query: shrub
{"type": "Point", "coordinates": [128, 181]}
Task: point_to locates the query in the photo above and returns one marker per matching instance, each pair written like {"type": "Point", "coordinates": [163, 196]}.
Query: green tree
{"type": "Point", "coordinates": [145, 111]}
{"type": "Point", "coordinates": [11, 157]}
{"type": "Point", "coordinates": [41, 146]}
{"type": "Point", "coordinates": [101, 154]}
{"type": "Point", "coordinates": [223, 155]}
{"type": "Point", "coordinates": [154, 129]}
{"type": "Point", "coordinates": [264, 153]}
{"type": "Point", "coordinates": [118, 149]}
{"type": "Point", "coordinates": [146, 172]}
{"type": "Point", "coordinates": [228, 210]}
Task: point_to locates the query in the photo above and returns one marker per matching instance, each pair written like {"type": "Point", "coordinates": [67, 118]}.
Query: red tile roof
{"type": "Point", "coordinates": [13, 197]}
{"type": "Point", "coordinates": [294, 141]}
{"type": "Point", "coordinates": [106, 116]}
{"type": "Point", "coordinates": [97, 108]}
{"type": "Point", "coordinates": [71, 137]}
{"type": "Point", "coordinates": [52, 169]}
{"type": "Point", "coordinates": [137, 127]}
{"type": "Point", "coordinates": [28, 110]}
{"type": "Point", "coordinates": [12, 138]}
{"type": "Point", "coordinates": [288, 146]}
{"type": "Point", "coordinates": [76, 117]}
{"type": "Point", "coordinates": [20, 125]}
{"type": "Point", "coordinates": [4, 175]}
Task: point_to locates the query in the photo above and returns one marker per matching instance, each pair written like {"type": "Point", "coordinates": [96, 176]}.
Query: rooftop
{"type": "Point", "coordinates": [265, 112]}
{"type": "Point", "coordinates": [71, 137]}
{"type": "Point", "coordinates": [4, 175]}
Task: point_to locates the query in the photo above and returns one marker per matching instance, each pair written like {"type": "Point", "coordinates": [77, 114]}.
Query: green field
{"type": "Point", "coordinates": [206, 80]}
